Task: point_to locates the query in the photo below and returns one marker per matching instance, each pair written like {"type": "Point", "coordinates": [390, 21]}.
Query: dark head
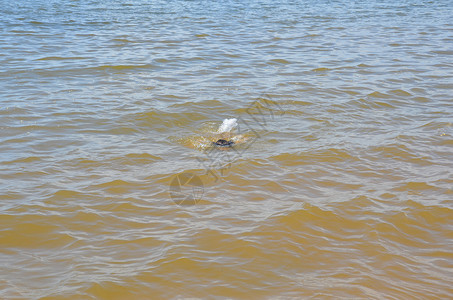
{"type": "Point", "coordinates": [224, 143]}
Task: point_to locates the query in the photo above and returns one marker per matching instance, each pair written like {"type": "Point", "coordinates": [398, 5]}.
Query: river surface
{"type": "Point", "coordinates": [339, 185]}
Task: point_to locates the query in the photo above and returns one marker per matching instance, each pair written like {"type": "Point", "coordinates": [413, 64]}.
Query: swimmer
{"type": "Point", "coordinates": [223, 143]}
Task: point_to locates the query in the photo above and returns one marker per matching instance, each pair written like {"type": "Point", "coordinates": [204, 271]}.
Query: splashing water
{"type": "Point", "coordinates": [207, 135]}
{"type": "Point", "coordinates": [228, 125]}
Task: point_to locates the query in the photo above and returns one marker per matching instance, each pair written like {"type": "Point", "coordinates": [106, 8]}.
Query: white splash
{"type": "Point", "coordinates": [228, 125]}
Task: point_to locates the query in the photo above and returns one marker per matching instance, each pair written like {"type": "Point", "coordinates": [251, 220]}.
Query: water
{"type": "Point", "coordinates": [228, 125]}
{"type": "Point", "coordinates": [342, 187]}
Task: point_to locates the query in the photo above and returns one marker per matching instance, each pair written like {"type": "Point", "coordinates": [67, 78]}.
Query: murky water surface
{"type": "Point", "coordinates": [341, 186]}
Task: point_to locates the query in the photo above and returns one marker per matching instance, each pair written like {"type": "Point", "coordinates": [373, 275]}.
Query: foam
{"type": "Point", "coordinates": [228, 125]}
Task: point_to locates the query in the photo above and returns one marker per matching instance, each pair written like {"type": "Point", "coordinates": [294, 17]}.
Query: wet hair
{"type": "Point", "coordinates": [223, 143]}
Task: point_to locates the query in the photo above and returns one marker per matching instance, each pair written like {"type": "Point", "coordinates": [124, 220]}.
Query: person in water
{"type": "Point", "coordinates": [225, 133]}
{"type": "Point", "coordinates": [223, 143]}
